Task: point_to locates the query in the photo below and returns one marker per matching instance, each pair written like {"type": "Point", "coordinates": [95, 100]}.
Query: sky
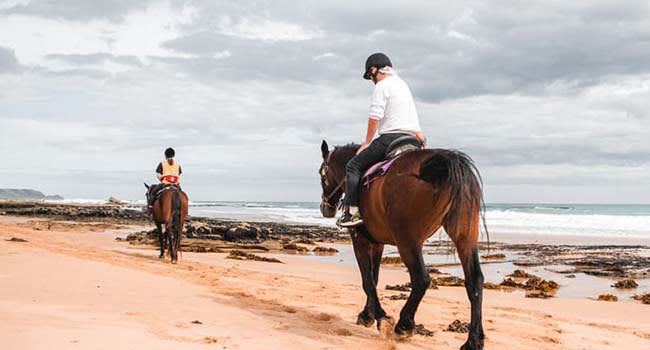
{"type": "Point", "coordinates": [550, 98]}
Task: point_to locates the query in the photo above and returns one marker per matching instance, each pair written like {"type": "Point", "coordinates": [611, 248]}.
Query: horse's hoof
{"type": "Point", "coordinates": [403, 334]}
{"type": "Point", "coordinates": [365, 320]}
{"type": "Point", "coordinates": [174, 262]}
{"type": "Point", "coordinates": [385, 326]}
{"type": "Point", "coordinates": [470, 345]}
{"type": "Point", "coordinates": [403, 330]}
{"type": "Point", "coordinates": [161, 256]}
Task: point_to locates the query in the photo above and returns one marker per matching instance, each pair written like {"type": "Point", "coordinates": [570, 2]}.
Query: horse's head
{"type": "Point", "coordinates": [148, 194]}
{"type": "Point", "coordinates": [332, 176]}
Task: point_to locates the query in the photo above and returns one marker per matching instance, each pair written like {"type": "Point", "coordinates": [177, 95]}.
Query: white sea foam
{"type": "Point", "coordinates": [620, 221]}
{"type": "Point", "coordinates": [565, 220]}
{"type": "Point", "coordinates": [511, 222]}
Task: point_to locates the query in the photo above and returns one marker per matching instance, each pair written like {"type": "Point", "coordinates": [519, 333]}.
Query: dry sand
{"type": "Point", "coordinates": [74, 287]}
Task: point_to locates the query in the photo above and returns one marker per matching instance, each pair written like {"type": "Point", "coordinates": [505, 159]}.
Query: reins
{"type": "Point", "coordinates": [325, 199]}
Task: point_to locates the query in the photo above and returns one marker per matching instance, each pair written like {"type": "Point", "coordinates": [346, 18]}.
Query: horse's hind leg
{"type": "Point", "coordinates": [466, 244]}
{"type": "Point", "coordinates": [173, 252]}
{"type": "Point", "coordinates": [420, 281]}
{"type": "Point", "coordinates": [161, 240]}
{"type": "Point", "coordinates": [169, 241]}
{"type": "Point", "coordinates": [368, 256]}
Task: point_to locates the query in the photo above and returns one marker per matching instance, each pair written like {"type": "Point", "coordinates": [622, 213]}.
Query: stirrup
{"type": "Point", "coordinates": [348, 220]}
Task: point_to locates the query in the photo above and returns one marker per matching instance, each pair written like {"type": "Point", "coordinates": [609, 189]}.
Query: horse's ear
{"type": "Point", "coordinates": [145, 185]}
{"type": "Point", "coordinates": [324, 148]}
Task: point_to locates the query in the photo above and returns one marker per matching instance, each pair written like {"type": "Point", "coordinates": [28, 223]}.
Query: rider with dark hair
{"type": "Point", "coordinates": [168, 173]}
{"type": "Point", "coordinates": [392, 115]}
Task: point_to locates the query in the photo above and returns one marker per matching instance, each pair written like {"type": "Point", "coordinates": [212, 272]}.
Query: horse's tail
{"type": "Point", "coordinates": [457, 170]}
{"type": "Point", "coordinates": [176, 216]}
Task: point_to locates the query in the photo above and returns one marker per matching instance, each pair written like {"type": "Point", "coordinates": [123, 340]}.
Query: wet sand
{"type": "Point", "coordinates": [74, 287]}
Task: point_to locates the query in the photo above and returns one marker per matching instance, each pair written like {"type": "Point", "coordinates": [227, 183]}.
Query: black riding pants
{"type": "Point", "coordinates": [358, 165]}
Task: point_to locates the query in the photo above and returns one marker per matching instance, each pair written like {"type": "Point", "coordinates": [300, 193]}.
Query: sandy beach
{"type": "Point", "coordinates": [73, 286]}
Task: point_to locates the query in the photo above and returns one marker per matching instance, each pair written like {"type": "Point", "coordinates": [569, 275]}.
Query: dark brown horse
{"type": "Point", "coordinates": [169, 209]}
{"type": "Point", "coordinates": [422, 191]}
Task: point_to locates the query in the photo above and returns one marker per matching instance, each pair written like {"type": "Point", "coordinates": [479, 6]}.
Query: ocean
{"type": "Point", "coordinates": [596, 220]}
{"type": "Point", "coordinates": [614, 221]}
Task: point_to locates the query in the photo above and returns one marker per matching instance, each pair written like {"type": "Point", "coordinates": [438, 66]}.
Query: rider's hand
{"type": "Point", "coordinates": [363, 147]}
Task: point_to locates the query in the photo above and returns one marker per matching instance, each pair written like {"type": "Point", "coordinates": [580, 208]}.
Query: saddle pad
{"type": "Point", "coordinates": [377, 170]}
{"type": "Point", "coordinates": [163, 189]}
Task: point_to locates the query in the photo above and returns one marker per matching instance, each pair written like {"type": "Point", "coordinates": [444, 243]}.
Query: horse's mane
{"type": "Point", "coordinates": [344, 153]}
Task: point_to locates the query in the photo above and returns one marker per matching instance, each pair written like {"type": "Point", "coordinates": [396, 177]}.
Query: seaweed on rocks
{"type": "Point", "coordinates": [458, 326]}
{"type": "Point", "coordinates": [406, 287]}
{"type": "Point", "coordinates": [625, 284]}
{"type": "Point", "coordinates": [325, 250]}
{"type": "Point", "coordinates": [509, 282]}
{"type": "Point", "coordinates": [539, 294]}
{"type": "Point", "coordinates": [498, 256]}
{"type": "Point", "coordinates": [607, 297]}
{"type": "Point", "coordinates": [400, 296]}
{"type": "Point", "coordinates": [435, 271]}
{"type": "Point", "coordinates": [296, 248]}
{"type": "Point", "coordinates": [423, 331]}
{"type": "Point", "coordinates": [391, 260]}
{"type": "Point", "coordinates": [644, 298]}
{"type": "Point", "coordinates": [241, 255]}
{"type": "Point", "coordinates": [541, 284]}
{"type": "Point", "coordinates": [490, 285]}
{"type": "Point", "coordinates": [449, 281]}
{"type": "Point", "coordinates": [521, 274]}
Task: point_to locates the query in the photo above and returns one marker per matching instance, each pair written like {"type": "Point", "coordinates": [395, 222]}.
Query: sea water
{"type": "Point", "coordinates": [580, 220]}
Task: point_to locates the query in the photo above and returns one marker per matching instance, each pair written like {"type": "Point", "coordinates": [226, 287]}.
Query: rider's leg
{"type": "Point", "coordinates": [354, 171]}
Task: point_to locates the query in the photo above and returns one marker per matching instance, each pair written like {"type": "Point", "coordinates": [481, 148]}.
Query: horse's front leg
{"type": "Point", "coordinates": [411, 254]}
{"type": "Point", "coordinates": [368, 257]}
{"type": "Point", "coordinates": [161, 240]}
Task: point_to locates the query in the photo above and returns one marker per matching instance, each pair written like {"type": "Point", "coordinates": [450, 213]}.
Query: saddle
{"type": "Point", "coordinates": [157, 190]}
{"type": "Point", "coordinates": [395, 149]}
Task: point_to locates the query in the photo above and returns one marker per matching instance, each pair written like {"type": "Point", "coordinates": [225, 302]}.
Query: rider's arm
{"type": "Point", "coordinates": [420, 136]}
{"type": "Point", "coordinates": [159, 174]}
{"type": "Point", "coordinates": [373, 125]}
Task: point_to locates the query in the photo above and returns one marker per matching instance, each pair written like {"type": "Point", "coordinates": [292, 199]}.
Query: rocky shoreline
{"type": "Point", "coordinates": [201, 234]}
{"type": "Point", "coordinates": [215, 235]}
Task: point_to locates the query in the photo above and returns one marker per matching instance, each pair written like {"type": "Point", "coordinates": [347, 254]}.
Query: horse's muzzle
{"type": "Point", "coordinates": [327, 210]}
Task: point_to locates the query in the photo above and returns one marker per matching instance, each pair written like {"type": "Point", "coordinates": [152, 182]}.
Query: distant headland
{"type": "Point", "coordinates": [15, 193]}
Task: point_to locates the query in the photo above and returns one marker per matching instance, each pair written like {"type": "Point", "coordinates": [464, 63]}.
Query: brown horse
{"type": "Point", "coordinates": [169, 209]}
{"type": "Point", "coordinates": [421, 192]}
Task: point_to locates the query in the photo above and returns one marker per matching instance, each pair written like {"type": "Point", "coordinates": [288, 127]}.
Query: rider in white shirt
{"type": "Point", "coordinates": [392, 115]}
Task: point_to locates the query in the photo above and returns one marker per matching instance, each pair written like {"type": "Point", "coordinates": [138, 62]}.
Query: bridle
{"type": "Point", "coordinates": [325, 199]}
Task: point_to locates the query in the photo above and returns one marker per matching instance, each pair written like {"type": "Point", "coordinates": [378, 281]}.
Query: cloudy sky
{"type": "Point", "coordinates": [551, 98]}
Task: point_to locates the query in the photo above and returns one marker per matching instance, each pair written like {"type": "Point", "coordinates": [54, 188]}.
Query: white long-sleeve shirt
{"type": "Point", "coordinates": [392, 104]}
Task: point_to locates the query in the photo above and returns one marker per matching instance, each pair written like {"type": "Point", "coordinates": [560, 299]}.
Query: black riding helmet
{"type": "Point", "coordinates": [170, 153]}
{"type": "Point", "coordinates": [377, 60]}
